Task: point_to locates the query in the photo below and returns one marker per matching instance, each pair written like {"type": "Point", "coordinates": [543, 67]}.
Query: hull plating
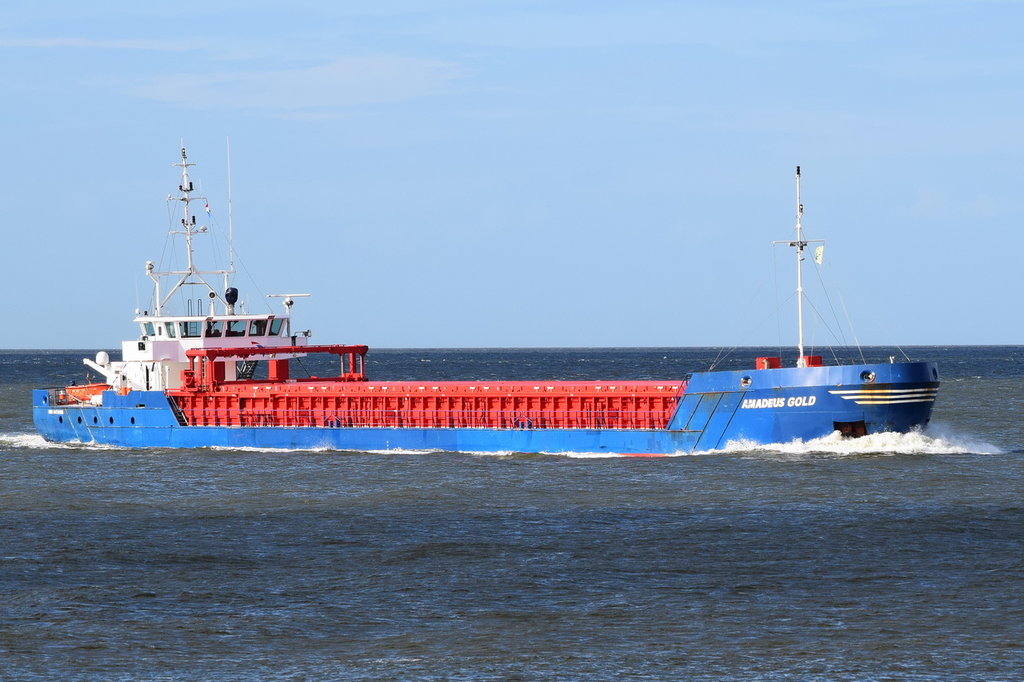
{"type": "Point", "coordinates": [759, 406]}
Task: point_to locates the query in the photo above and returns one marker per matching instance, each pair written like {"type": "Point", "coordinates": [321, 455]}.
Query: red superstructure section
{"type": "Point", "coordinates": [348, 400]}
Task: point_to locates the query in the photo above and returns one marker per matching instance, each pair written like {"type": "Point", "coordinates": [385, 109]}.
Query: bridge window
{"type": "Point", "coordinates": [236, 328]}
{"type": "Point", "coordinates": [258, 328]}
{"type": "Point", "coordinates": [191, 330]}
{"type": "Point", "coordinates": [214, 328]}
{"type": "Point", "coordinates": [148, 329]}
{"type": "Point", "coordinates": [275, 326]}
{"type": "Point", "coordinates": [170, 330]}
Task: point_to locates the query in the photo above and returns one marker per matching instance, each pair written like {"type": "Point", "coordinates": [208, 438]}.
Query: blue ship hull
{"type": "Point", "coordinates": [757, 406]}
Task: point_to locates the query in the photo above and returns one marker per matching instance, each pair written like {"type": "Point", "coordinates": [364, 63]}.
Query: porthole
{"type": "Point", "coordinates": [745, 382]}
{"type": "Point", "coordinates": [133, 420]}
{"type": "Point", "coordinates": [95, 420]}
{"type": "Point", "coordinates": [79, 420]}
{"type": "Point", "coordinates": [60, 420]}
{"type": "Point", "coordinates": [111, 420]}
{"type": "Point", "coordinates": [867, 377]}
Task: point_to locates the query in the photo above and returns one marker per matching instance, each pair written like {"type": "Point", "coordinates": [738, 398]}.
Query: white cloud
{"type": "Point", "coordinates": [745, 26]}
{"type": "Point", "coordinates": [339, 84]}
{"type": "Point", "coordinates": [934, 203]}
{"type": "Point", "coordinates": [115, 44]}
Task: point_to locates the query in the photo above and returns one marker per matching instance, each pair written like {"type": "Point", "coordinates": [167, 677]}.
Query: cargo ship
{"type": "Point", "coordinates": [216, 375]}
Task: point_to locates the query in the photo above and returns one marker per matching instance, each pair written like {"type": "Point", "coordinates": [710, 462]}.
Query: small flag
{"type": "Point", "coordinates": [819, 252]}
{"type": "Point", "coordinates": [207, 207]}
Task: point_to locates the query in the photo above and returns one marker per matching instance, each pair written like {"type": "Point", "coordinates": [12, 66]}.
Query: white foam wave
{"type": "Point", "coordinates": [933, 441]}
{"type": "Point", "coordinates": [247, 448]}
{"type": "Point", "coordinates": [586, 456]}
{"type": "Point", "coordinates": [606, 455]}
{"type": "Point", "coordinates": [33, 441]}
{"type": "Point", "coordinates": [23, 440]}
{"type": "Point", "coordinates": [316, 449]}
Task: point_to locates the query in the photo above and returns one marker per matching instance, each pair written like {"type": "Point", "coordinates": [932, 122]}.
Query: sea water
{"type": "Point", "coordinates": [886, 557]}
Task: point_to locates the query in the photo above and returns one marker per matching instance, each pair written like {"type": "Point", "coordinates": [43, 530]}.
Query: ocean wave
{"type": "Point", "coordinates": [605, 455]}
{"type": "Point", "coordinates": [33, 441]}
{"type": "Point", "coordinates": [314, 449]}
{"type": "Point", "coordinates": [935, 440]}
{"type": "Point", "coordinates": [249, 448]}
{"type": "Point", "coordinates": [587, 455]}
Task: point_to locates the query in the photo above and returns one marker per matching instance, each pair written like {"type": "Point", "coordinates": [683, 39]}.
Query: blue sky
{"type": "Point", "coordinates": [464, 174]}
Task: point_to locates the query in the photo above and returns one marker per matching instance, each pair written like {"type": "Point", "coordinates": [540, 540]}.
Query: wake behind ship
{"type": "Point", "coordinates": [191, 381]}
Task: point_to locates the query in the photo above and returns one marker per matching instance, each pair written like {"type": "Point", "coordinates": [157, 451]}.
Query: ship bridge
{"type": "Point", "coordinates": [218, 330]}
{"type": "Point", "coordinates": [156, 358]}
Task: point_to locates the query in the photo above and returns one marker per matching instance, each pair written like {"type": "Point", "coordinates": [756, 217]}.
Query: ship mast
{"type": "Point", "coordinates": [190, 275]}
{"type": "Point", "coordinates": [188, 221]}
{"type": "Point", "coordinates": [799, 244]}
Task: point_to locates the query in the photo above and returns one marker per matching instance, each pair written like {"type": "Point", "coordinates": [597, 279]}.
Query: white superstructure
{"type": "Point", "coordinates": [155, 359]}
